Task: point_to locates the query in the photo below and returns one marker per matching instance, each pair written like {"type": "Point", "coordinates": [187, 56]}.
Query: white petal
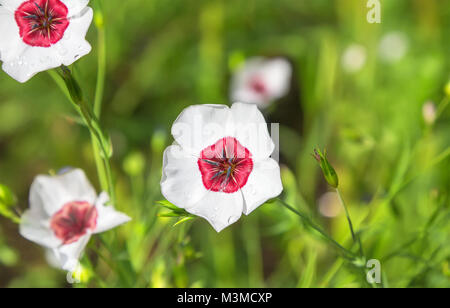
{"type": "Point", "coordinates": [219, 209]}
{"type": "Point", "coordinates": [274, 73]}
{"type": "Point", "coordinates": [75, 6]}
{"type": "Point", "coordinates": [251, 130]}
{"type": "Point", "coordinates": [51, 193]}
{"type": "Point", "coordinates": [22, 61]}
{"type": "Point", "coordinates": [181, 182]}
{"type": "Point", "coordinates": [11, 5]}
{"type": "Point", "coordinates": [277, 75]}
{"type": "Point", "coordinates": [108, 217]}
{"type": "Point", "coordinates": [73, 45]}
{"type": "Point", "coordinates": [264, 183]}
{"type": "Point", "coordinates": [11, 44]}
{"type": "Point", "coordinates": [68, 255]}
{"type": "Point", "coordinates": [35, 228]}
{"type": "Point", "coordinates": [200, 126]}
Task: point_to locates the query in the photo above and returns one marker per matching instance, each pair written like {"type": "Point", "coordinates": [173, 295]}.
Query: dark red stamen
{"type": "Point", "coordinates": [42, 23]}
{"type": "Point", "coordinates": [73, 221]}
{"type": "Point", "coordinates": [225, 166]}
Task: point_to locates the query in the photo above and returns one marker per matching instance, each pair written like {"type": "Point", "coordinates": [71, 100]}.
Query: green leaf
{"type": "Point", "coordinates": [183, 220]}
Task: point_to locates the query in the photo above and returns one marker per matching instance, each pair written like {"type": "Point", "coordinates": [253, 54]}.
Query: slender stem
{"type": "Point", "coordinates": [355, 238]}
{"type": "Point", "coordinates": [99, 89]}
{"type": "Point", "coordinates": [310, 223]}
{"type": "Point", "coordinates": [93, 125]}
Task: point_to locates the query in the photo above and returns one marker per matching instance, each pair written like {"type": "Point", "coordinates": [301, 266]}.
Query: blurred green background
{"type": "Point", "coordinates": [358, 91]}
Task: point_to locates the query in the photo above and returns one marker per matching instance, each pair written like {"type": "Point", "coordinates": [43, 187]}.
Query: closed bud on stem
{"type": "Point", "coordinates": [328, 171]}
{"type": "Point", "coordinates": [71, 84]}
{"type": "Point", "coordinates": [7, 198]}
{"type": "Point", "coordinates": [7, 202]}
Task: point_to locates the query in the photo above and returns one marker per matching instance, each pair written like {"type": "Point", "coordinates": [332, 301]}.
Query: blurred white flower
{"type": "Point", "coordinates": [354, 58]}
{"type": "Point", "coordinates": [393, 46]}
{"type": "Point", "coordinates": [329, 205]}
{"type": "Point", "coordinates": [261, 81]}
{"type": "Point", "coordinates": [219, 165]}
{"type": "Point", "coordinates": [429, 112]}
{"type": "Point", "coordinates": [38, 35]}
{"type": "Point", "coordinates": [64, 212]}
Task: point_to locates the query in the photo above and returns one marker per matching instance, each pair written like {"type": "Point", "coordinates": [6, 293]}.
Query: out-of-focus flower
{"type": "Point", "coordinates": [37, 35]}
{"type": "Point", "coordinates": [261, 81]}
{"type": "Point", "coordinates": [219, 166]}
{"type": "Point", "coordinates": [329, 205]}
{"type": "Point", "coordinates": [393, 46]}
{"type": "Point", "coordinates": [64, 212]}
{"type": "Point", "coordinates": [429, 112]}
{"type": "Point", "coordinates": [354, 58]}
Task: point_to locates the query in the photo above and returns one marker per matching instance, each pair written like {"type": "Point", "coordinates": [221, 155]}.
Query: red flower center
{"type": "Point", "coordinates": [225, 166]}
{"type": "Point", "coordinates": [258, 85]}
{"type": "Point", "coordinates": [73, 221]}
{"type": "Point", "coordinates": [42, 23]}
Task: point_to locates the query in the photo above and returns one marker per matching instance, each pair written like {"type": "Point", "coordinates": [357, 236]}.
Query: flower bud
{"type": "Point", "coordinates": [158, 141]}
{"type": "Point", "coordinates": [7, 198]}
{"type": "Point", "coordinates": [72, 85]}
{"type": "Point", "coordinates": [328, 171]}
{"type": "Point", "coordinates": [134, 164]}
{"type": "Point", "coordinates": [7, 201]}
{"type": "Point", "coordinates": [447, 89]}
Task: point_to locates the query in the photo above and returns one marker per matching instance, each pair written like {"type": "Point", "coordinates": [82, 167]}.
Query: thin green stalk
{"type": "Point", "coordinates": [310, 223]}
{"type": "Point", "coordinates": [355, 238]}
{"type": "Point", "coordinates": [73, 92]}
{"type": "Point", "coordinates": [99, 90]}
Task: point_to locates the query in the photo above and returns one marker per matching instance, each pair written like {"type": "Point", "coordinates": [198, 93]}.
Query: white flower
{"type": "Point", "coordinates": [38, 35]}
{"type": "Point", "coordinates": [219, 165]}
{"type": "Point", "coordinates": [261, 81]}
{"type": "Point", "coordinates": [354, 58]}
{"type": "Point", "coordinates": [393, 46]}
{"type": "Point", "coordinates": [64, 212]}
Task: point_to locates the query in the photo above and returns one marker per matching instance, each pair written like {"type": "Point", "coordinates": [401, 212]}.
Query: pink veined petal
{"type": "Point", "coordinates": [263, 184]}
{"type": "Point", "coordinates": [225, 165]}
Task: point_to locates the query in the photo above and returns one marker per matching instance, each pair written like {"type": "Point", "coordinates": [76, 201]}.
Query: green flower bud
{"type": "Point", "coordinates": [7, 202]}
{"type": "Point", "coordinates": [328, 171]}
{"type": "Point", "coordinates": [7, 198]}
{"type": "Point", "coordinates": [134, 164]}
{"type": "Point", "coordinates": [72, 85]}
{"type": "Point", "coordinates": [158, 141]}
{"type": "Point", "coordinates": [447, 89]}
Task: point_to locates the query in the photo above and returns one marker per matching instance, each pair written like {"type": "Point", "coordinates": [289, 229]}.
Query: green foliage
{"type": "Point", "coordinates": [392, 166]}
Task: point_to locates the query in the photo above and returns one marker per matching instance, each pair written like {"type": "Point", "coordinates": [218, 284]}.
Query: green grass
{"type": "Point", "coordinates": [162, 56]}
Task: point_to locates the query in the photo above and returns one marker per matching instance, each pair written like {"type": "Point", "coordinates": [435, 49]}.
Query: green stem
{"type": "Point", "coordinates": [99, 89]}
{"type": "Point", "coordinates": [310, 223]}
{"type": "Point", "coordinates": [355, 238]}
{"type": "Point", "coordinates": [73, 91]}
